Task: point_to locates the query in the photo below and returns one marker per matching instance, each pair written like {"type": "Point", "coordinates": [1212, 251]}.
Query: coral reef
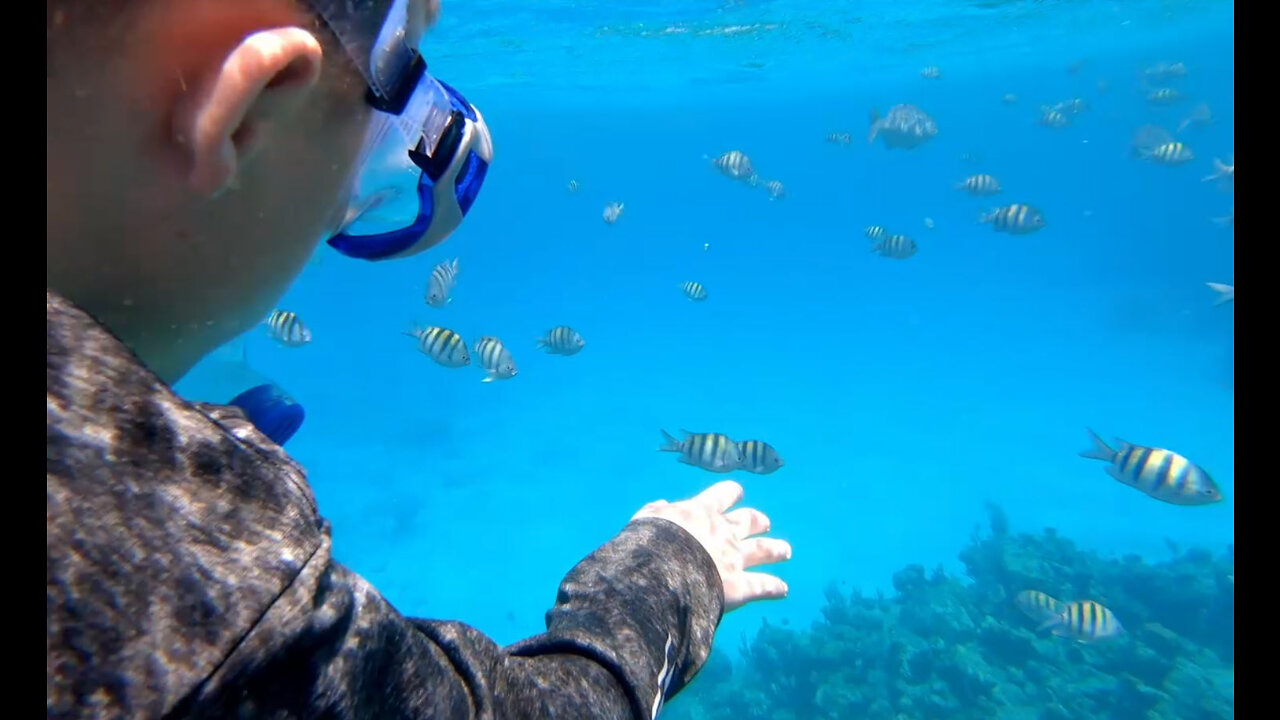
{"type": "Point", "coordinates": [944, 647]}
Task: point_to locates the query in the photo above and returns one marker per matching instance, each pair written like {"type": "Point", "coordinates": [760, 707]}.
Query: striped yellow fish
{"type": "Point", "coordinates": [1084, 621]}
{"type": "Point", "coordinates": [1170, 153]}
{"type": "Point", "coordinates": [562, 340]}
{"type": "Point", "coordinates": [1017, 219]}
{"type": "Point", "coordinates": [496, 359]}
{"type": "Point", "coordinates": [876, 232]}
{"type": "Point", "coordinates": [897, 247]}
{"type": "Point", "coordinates": [735, 164]}
{"type": "Point", "coordinates": [759, 457]}
{"type": "Point", "coordinates": [1038, 606]}
{"type": "Point", "coordinates": [1050, 117]}
{"type": "Point", "coordinates": [1164, 96]}
{"type": "Point", "coordinates": [980, 185]}
{"type": "Point", "coordinates": [443, 345]}
{"type": "Point", "coordinates": [1163, 474]}
{"type": "Point", "coordinates": [694, 291]}
{"type": "Point", "coordinates": [710, 451]}
{"type": "Point", "coordinates": [287, 329]}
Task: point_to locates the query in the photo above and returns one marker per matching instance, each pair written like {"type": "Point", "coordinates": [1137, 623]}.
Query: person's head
{"type": "Point", "coordinates": [199, 150]}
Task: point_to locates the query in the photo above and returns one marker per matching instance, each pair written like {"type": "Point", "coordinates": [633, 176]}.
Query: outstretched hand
{"type": "Point", "coordinates": [727, 536]}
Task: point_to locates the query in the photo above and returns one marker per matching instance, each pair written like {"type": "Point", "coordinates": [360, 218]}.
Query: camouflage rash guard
{"type": "Point", "coordinates": [189, 574]}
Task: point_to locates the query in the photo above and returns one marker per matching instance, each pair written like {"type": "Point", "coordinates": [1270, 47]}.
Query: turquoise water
{"type": "Point", "coordinates": [904, 395]}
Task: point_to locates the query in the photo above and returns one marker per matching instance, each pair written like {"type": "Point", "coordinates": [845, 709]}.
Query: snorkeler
{"type": "Point", "coordinates": [194, 148]}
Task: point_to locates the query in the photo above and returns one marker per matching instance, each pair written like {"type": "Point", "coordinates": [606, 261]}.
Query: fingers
{"type": "Point", "coordinates": [764, 551]}
{"type": "Point", "coordinates": [746, 587]}
{"type": "Point", "coordinates": [721, 496]}
{"type": "Point", "coordinates": [648, 509]}
{"type": "Point", "coordinates": [747, 522]}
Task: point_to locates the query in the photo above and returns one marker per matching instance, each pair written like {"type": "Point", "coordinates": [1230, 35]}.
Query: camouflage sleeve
{"type": "Point", "coordinates": [189, 574]}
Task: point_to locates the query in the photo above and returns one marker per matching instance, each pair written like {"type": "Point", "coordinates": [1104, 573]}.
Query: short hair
{"type": "Point", "coordinates": [80, 27]}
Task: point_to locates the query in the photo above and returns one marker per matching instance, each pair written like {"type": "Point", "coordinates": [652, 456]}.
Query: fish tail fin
{"type": "Point", "coordinates": [987, 216]}
{"type": "Point", "coordinates": [1219, 170]}
{"type": "Point", "coordinates": [1226, 293]}
{"type": "Point", "coordinates": [1100, 450]}
{"type": "Point", "coordinates": [540, 343]}
{"type": "Point", "coordinates": [669, 444]}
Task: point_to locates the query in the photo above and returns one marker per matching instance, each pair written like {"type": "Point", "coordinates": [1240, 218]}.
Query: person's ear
{"type": "Point", "coordinates": [231, 107]}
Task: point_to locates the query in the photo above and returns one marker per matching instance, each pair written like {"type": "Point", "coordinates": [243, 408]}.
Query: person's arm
{"type": "Point", "coordinates": [189, 575]}
{"type": "Point", "coordinates": [633, 622]}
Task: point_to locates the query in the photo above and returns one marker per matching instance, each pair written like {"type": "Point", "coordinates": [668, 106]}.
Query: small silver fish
{"type": "Point", "coordinates": [876, 232]}
{"type": "Point", "coordinates": [612, 212]}
{"type": "Point", "coordinates": [287, 329]}
{"type": "Point", "coordinates": [776, 190]}
{"type": "Point", "coordinates": [443, 278]}
{"type": "Point", "coordinates": [562, 340]}
{"type": "Point", "coordinates": [495, 358]}
{"type": "Point", "coordinates": [710, 451]}
{"type": "Point", "coordinates": [573, 186]}
{"type": "Point", "coordinates": [442, 345]}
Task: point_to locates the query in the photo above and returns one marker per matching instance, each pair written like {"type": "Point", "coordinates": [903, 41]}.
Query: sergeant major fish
{"type": "Point", "coordinates": [495, 359]}
{"type": "Point", "coordinates": [442, 345]}
{"type": "Point", "coordinates": [444, 277]}
{"type": "Point", "coordinates": [562, 340]}
{"type": "Point", "coordinates": [287, 328]}
{"type": "Point", "coordinates": [759, 457]}
{"type": "Point", "coordinates": [1017, 219]}
{"type": "Point", "coordinates": [1163, 474]}
{"type": "Point", "coordinates": [980, 185]}
{"type": "Point", "coordinates": [896, 247]}
{"type": "Point", "coordinates": [715, 452]}
{"type": "Point", "coordinates": [694, 291]}
{"type": "Point", "coordinates": [1084, 621]}
{"type": "Point", "coordinates": [905, 126]}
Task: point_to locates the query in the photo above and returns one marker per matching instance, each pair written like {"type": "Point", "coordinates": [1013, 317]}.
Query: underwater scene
{"type": "Point", "coordinates": [953, 281]}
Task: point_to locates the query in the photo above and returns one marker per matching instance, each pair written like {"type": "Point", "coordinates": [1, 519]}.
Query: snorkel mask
{"type": "Point", "coordinates": [426, 151]}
